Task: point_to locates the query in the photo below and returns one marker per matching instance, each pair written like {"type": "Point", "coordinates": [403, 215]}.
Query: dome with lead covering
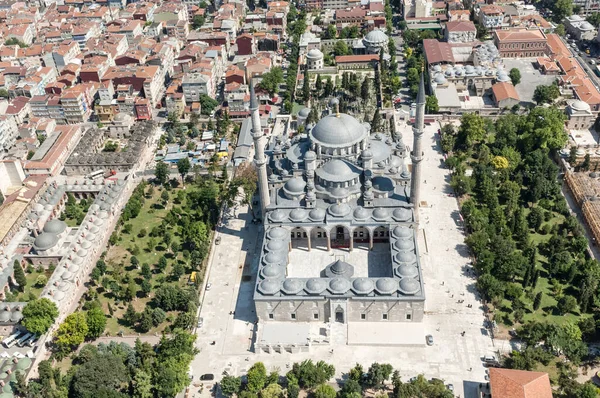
{"type": "Point", "coordinates": [376, 36]}
{"type": "Point", "coordinates": [337, 170]}
{"type": "Point", "coordinates": [297, 215]}
{"type": "Point", "coordinates": [55, 226]}
{"type": "Point", "coordinates": [269, 286]}
{"type": "Point", "coordinates": [380, 214]}
{"type": "Point", "coordinates": [316, 214]}
{"type": "Point", "coordinates": [360, 213]}
{"type": "Point", "coordinates": [315, 285]}
{"type": "Point", "coordinates": [339, 209]}
{"type": "Point", "coordinates": [292, 286]}
{"type": "Point", "coordinates": [275, 258]}
{"type": "Point", "coordinates": [277, 233]}
{"type": "Point", "coordinates": [406, 257]}
{"type": "Point", "coordinates": [314, 53]}
{"type": "Point", "coordinates": [341, 130]}
{"type": "Point", "coordinates": [4, 316]}
{"type": "Point", "coordinates": [402, 214]}
{"type": "Point", "coordinates": [277, 216]}
{"type": "Point", "coordinates": [580, 106]}
{"type": "Point", "coordinates": [304, 111]}
{"type": "Point", "coordinates": [45, 241]}
{"type": "Point", "coordinates": [16, 316]}
{"type": "Point", "coordinates": [271, 271]}
{"type": "Point", "coordinates": [363, 285]}
{"type": "Point", "coordinates": [276, 245]}
{"type": "Point", "coordinates": [407, 271]}
{"type": "Point", "coordinates": [339, 285]}
{"type": "Point", "coordinates": [404, 245]}
{"type": "Point", "coordinates": [295, 185]}
{"type": "Point", "coordinates": [409, 286]}
{"type": "Point", "coordinates": [386, 285]}
{"type": "Point", "coordinates": [402, 232]}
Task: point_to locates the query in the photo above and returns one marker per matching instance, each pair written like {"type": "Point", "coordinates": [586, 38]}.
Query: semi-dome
{"type": "Point", "coordinates": [380, 214]}
{"type": "Point", "coordinates": [277, 233]}
{"type": "Point", "coordinates": [406, 258]}
{"type": "Point", "coordinates": [338, 131]}
{"type": "Point", "coordinates": [316, 214]}
{"type": "Point", "coordinates": [409, 286]}
{"type": "Point", "coordinates": [402, 214]}
{"type": "Point", "coordinates": [338, 170]}
{"type": "Point", "coordinates": [407, 271]}
{"type": "Point", "coordinates": [55, 226]}
{"type": "Point", "coordinates": [339, 193]}
{"type": "Point", "coordinates": [298, 215]}
{"type": "Point", "coordinates": [271, 271]}
{"type": "Point", "coordinates": [404, 245]}
{"type": "Point", "coordinates": [376, 36]}
{"type": "Point", "coordinates": [363, 285]}
{"type": "Point", "coordinates": [292, 286]}
{"type": "Point", "coordinates": [277, 216]}
{"type": "Point", "coordinates": [402, 232]}
{"type": "Point", "coordinates": [304, 112]}
{"type": "Point", "coordinates": [269, 286]}
{"type": "Point", "coordinates": [276, 245]}
{"type": "Point", "coordinates": [45, 241]}
{"type": "Point", "coordinates": [315, 285]}
{"type": "Point", "coordinates": [339, 209]}
{"type": "Point", "coordinates": [339, 285]}
{"type": "Point", "coordinates": [360, 213]}
{"type": "Point", "coordinates": [386, 285]}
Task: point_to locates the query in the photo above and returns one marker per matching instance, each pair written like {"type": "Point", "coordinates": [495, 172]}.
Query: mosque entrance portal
{"type": "Point", "coordinates": [341, 238]}
{"type": "Point", "coordinates": [339, 314]}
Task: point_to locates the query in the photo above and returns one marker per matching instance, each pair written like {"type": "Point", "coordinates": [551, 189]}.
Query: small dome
{"type": "Point", "coordinates": [64, 286]}
{"type": "Point", "coordinates": [402, 232]}
{"type": "Point", "coordinates": [376, 36]}
{"type": "Point", "coordinates": [366, 154]}
{"type": "Point", "coordinates": [297, 215]}
{"type": "Point", "coordinates": [310, 155]}
{"type": "Point", "coordinates": [578, 105]}
{"type": "Point", "coordinates": [404, 245]}
{"type": "Point", "coordinates": [16, 316]}
{"type": "Point", "coordinates": [45, 241]}
{"type": "Point", "coordinates": [82, 252]}
{"type": "Point", "coordinates": [407, 271]}
{"type": "Point", "coordinates": [314, 54]}
{"type": "Point", "coordinates": [315, 285]}
{"type": "Point", "coordinates": [271, 271]}
{"type": "Point", "coordinates": [276, 245]}
{"type": "Point", "coordinates": [363, 285]}
{"type": "Point", "coordinates": [269, 286]}
{"type": "Point", "coordinates": [316, 214]}
{"type": "Point", "coordinates": [274, 258]}
{"type": "Point", "coordinates": [4, 316]}
{"type": "Point", "coordinates": [386, 285]}
{"type": "Point", "coordinates": [585, 25]}
{"type": "Point", "coordinates": [67, 275]}
{"type": "Point", "coordinates": [339, 210]}
{"type": "Point", "coordinates": [292, 286]}
{"type": "Point", "coordinates": [440, 79]}
{"type": "Point", "coordinates": [277, 233]}
{"type": "Point", "coordinates": [55, 226]}
{"type": "Point", "coordinates": [339, 267]}
{"type": "Point", "coordinates": [277, 216]}
{"type": "Point", "coordinates": [339, 285]}
{"type": "Point", "coordinates": [304, 112]}
{"type": "Point", "coordinates": [406, 258]}
{"type": "Point", "coordinates": [360, 213]}
{"type": "Point", "coordinates": [402, 214]}
{"type": "Point", "coordinates": [380, 214]}
{"type": "Point", "coordinates": [409, 286]}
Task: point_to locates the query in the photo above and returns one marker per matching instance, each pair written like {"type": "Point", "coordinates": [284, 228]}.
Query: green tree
{"type": "Point", "coordinates": [19, 275]}
{"type": "Point", "coordinates": [546, 94]}
{"type": "Point", "coordinates": [207, 104]}
{"type": "Point", "coordinates": [515, 76]}
{"type": "Point", "coordinates": [328, 87]}
{"type": "Point", "coordinates": [96, 322]}
{"type": "Point", "coordinates": [561, 9]}
{"type": "Point", "coordinates": [230, 385]}
{"type": "Point", "coordinates": [566, 304]}
{"type": "Point", "coordinates": [161, 173]}
{"type": "Point", "coordinates": [162, 263]}
{"type": "Point", "coordinates": [431, 104]}
{"type": "Point", "coordinates": [376, 122]}
{"type": "Point", "coordinates": [472, 129]}
{"type": "Point", "coordinates": [351, 388]}
{"type": "Point", "coordinates": [142, 384]}
{"type": "Point", "coordinates": [71, 332]}
{"type": "Point", "coordinates": [330, 32]}
{"type": "Point", "coordinates": [130, 316]}
{"type": "Point", "coordinates": [197, 22]}
{"type": "Point", "coordinates": [365, 89]}
{"type": "Point", "coordinates": [356, 373]}
{"type": "Point", "coordinates": [183, 166]}
{"type": "Point", "coordinates": [39, 315]}
{"type": "Point", "coordinates": [103, 376]}
{"type": "Point", "coordinates": [319, 84]}
{"type": "Point", "coordinates": [537, 301]}
{"type": "Point", "coordinates": [272, 390]}
{"type": "Point", "coordinates": [271, 80]}
{"type": "Point", "coordinates": [257, 377]}
{"type": "Point", "coordinates": [341, 48]}
{"type": "Point", "coordinates": [325, 391]}
{"type": "Point", "coordinates": [378, 374]}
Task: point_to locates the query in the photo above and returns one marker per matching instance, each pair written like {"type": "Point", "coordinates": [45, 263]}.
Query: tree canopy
{"type": "Point", "coordinates": [39, 315]}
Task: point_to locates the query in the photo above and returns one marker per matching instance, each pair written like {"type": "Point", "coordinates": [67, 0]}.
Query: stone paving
{"type": "Point", "coordinates": [453, 358]}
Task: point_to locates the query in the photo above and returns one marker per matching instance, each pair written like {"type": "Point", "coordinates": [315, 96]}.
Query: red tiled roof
{"type": "Point", "coordinates": [504, 91]}
{"type": "Point", "coordinates": [436, 51]}
{"type": "Point", "coordinates": [461, 26]}
{"type": "Point", "coordinates": [511, 383]}
{"type": "Point", "coordinates": [356, 58]}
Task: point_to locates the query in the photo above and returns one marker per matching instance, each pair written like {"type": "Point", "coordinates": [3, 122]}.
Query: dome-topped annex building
{"type": "Point", "coordinates": [340, 188]}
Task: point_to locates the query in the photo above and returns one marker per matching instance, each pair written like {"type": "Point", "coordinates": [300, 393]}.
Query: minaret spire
{"type": "Point", "coordinates": [417, 152]}
{"type": "Point", "coordinates": [259, 153]}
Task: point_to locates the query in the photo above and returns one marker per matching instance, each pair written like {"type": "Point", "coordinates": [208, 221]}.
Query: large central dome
{"type": "Point", "coordinates": [338, 131]}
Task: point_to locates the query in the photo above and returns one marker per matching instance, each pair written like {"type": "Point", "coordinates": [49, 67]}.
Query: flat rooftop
{"type": "Point", "coordinates": [374, 263]}
{"type": "Point", "coordinates": [584, 138]}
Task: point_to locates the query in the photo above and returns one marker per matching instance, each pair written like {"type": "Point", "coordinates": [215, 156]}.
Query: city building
{"type": "Point", "coordinates": [490, 16]}
{"type": "Point", "coordinates": [512, 383]}
{"type": "Point", "coordinates": [521, 43]}
{"type": "Point", "coordinates": [460, 32]}
{"type": "Point", "coordinates": [580, 115]}
{"type": "Point", "coordinates": [505, 95]}
{"type": "Point", "coordinates": [579, 28]}
{"type": "Point", "coordinates": [314, 59]}
{"type": "Point", "coordinates": [51, 156]}
{"type": "Point", "coordinates": [342, 194]}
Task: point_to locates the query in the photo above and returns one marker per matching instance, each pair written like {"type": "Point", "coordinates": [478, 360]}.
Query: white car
{"type": "Point", "coordinates": [208, 286]}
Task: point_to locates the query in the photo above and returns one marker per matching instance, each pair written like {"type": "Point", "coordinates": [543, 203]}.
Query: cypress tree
{"type": "Point", "coordinates": [527, 277]}
{"type": "Point", "coordinates": [19, 275]}
{"type": "Point", "coordinates": [536, 275]}
{"type": "Point", "coordinates": [537, 301]}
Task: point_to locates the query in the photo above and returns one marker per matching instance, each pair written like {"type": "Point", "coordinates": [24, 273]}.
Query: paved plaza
{"type": "Point", "coordinates": [453, 358]}
{"type": "Point", "coordinates": [530, 77]}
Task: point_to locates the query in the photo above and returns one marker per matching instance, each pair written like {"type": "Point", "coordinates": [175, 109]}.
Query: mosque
{"type": "Point", "coordinates": [338, 192]}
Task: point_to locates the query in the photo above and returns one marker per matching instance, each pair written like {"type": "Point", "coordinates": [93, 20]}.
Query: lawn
{"type": "Point", "coordinates": [118, 261]}
{"type": "Point", "coordinates": [32, 291]}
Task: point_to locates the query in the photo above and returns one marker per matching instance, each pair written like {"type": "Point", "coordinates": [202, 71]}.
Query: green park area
{"type": "Point", "coordinates": [534, 270]}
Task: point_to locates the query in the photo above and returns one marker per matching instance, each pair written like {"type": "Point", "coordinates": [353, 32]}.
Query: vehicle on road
{"type": "Point", "coordinates": [207, 377]}
{"type": "Point", "coordinates": [429, 339]}
{"type": "Point", "coordinates": [218, 240]}
{"type": "Point", "coordinates": [208, 286]}
{"type": "Point", "coordinates": [200, 322]}
{"type": "Point", "coordinates": [450, 387]}
{"type": "Point", "coordinates": [11, 340]}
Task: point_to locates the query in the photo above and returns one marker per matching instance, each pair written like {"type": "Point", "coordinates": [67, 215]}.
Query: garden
{"type": "Point", "coordinates": [530, 253]}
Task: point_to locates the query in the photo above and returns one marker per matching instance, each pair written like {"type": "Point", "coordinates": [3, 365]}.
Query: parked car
{"type": "Point", "coordinates": [200, 322]}
{"type": "Point", "coordinates": [208, 286]}
{"type": "Point", "coordinates": [489, 358]}
{"type": "Point", "coordinates": [429, 339]}
{"type": "Point", "coordinates": [450, 387]}
{"type": "Point", "coordinates": [207, 377]}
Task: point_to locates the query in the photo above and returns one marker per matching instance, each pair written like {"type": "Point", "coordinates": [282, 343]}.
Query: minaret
{"type": "Point", "coordinates": [259, 154]}
{"type": "Point", "coordinates": [417, 153]}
